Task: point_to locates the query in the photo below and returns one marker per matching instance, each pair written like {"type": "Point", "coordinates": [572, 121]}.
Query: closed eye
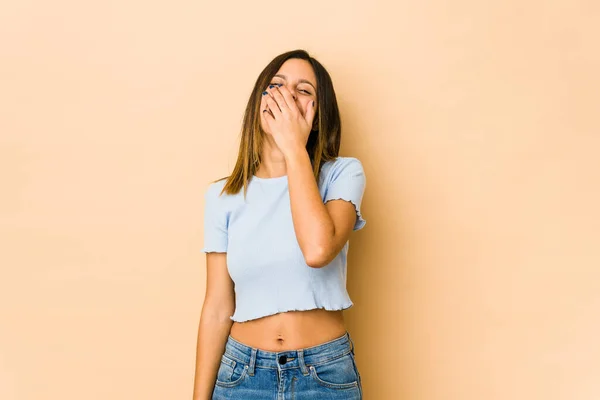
{"type": "Point", "coordinates": [301, 90]}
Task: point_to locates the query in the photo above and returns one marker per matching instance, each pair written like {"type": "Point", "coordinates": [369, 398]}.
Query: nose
{"type": "Point", "coordinates": [292, 92]}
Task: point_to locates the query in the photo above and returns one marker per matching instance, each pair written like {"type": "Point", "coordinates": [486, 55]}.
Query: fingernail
{"type": "Point", "coordinates": [266, 93]}
{"type": "Point", "coordinates": [271, 86]}
{"type": "Point", "coordinates": [280, 84]}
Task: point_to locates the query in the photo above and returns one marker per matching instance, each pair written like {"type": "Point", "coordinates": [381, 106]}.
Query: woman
{"type": "Point", "coordinates": [276, 236]}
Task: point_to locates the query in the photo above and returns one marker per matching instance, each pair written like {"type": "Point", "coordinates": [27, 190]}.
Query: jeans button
{"type": "Point", "coordinates": [282, 359]}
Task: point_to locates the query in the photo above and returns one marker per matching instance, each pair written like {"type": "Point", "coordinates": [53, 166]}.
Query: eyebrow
{"type": "Point", "coordinates": [300, 80]}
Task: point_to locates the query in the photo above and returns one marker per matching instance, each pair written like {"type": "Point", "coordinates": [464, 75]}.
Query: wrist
{"type": "Point", "coordinates": [294, 155]}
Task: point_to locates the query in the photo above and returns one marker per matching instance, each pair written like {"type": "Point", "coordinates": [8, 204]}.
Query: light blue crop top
{"type": "Point", "coordinates": [264, 259]}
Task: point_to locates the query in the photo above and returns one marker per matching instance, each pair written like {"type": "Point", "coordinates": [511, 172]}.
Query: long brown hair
{"type": "Point", "coordinates": [325, 136]}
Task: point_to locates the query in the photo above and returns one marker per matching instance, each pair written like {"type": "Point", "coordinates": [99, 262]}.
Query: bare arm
{"type": "Point", "coordinates": [214, 326]}
{"type": "Point", "coordinates": [322, 229]}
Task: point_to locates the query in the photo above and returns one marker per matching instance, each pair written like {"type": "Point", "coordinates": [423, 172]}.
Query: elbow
{"type": "Point", "coordinates": [212, 317]}
{"type": "Point", "coordinates": [317, 258]}
{"type": "Point", "coordinates": [217, 311]}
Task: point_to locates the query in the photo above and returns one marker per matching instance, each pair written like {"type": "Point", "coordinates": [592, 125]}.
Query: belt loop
{"type": "Point", "coordinates": [252, 362]}
{"type": "Point", "coordinates": [351, 342]}
{"type": "Point", "coordinates": [301, 362]}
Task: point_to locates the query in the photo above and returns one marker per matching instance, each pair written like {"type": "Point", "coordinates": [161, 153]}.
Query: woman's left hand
{"type": "Point", "coordinates": [289, 126]}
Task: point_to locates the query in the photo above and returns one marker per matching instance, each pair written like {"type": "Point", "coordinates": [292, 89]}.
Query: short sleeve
{"type": "Point", "coordinates": [347, 181]}
{"type": "Point", "coordinates": [215, 221]}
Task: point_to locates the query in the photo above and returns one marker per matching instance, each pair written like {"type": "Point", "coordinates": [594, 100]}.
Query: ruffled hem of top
{"type": "Point", "coordinates": [361, 221]}
{"type": "Point", "coordinates": [256, 316]}
{"type": "Point", "coordinates": [213, 250]}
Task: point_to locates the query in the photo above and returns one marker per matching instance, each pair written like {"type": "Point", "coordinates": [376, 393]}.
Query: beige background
{"type": "Point", "coordinates": [477, 275]}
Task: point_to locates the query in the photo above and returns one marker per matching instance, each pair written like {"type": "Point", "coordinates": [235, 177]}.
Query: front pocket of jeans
{"type": "Point", "coordinates": [231, 372]}
{"type": "Point", "coordinates": [338, 374]}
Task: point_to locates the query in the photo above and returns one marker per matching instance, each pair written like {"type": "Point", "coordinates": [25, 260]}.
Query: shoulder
{"type": "Point", "coordinates": [214, 189]}
{"type": "Point", "coordinates": [342, 166]}
{"type": "Point", "coordinates": [213, 192]}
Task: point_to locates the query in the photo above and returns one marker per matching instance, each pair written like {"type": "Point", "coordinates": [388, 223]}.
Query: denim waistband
{"type": "Point", "coordinates": [301, 358]}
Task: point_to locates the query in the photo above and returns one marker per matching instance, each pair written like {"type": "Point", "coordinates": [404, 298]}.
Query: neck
{"type": "Point", "coordinates": [272, 163]}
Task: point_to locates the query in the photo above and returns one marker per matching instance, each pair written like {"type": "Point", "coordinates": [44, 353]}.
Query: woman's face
{"type": "Point", "coordinates": [299, 78]}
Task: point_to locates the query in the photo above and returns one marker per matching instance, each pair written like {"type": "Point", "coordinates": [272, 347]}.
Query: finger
{"type": "Point", "coordinates": [269, 90]}
{"type": "Point", "coordinates": [267, 94]}
{"type": "Point", "coordinates": [311, 110]}
{"type": "Point", "coordinates": [266, 110]}
{"type": "Point", "coordinates": [273, 106]}
{"type": "Point", "coordinates": [290, 99]}
{"type": "Point", "coordinates": [264, 107]}
{"type": "Point", "coordinates": [267, 117]}
{"type": "Point", "coordinates": [274, 91]}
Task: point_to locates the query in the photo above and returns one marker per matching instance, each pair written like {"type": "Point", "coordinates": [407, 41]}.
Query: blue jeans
{"type": "Point", "coordinates": [324, 372]}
